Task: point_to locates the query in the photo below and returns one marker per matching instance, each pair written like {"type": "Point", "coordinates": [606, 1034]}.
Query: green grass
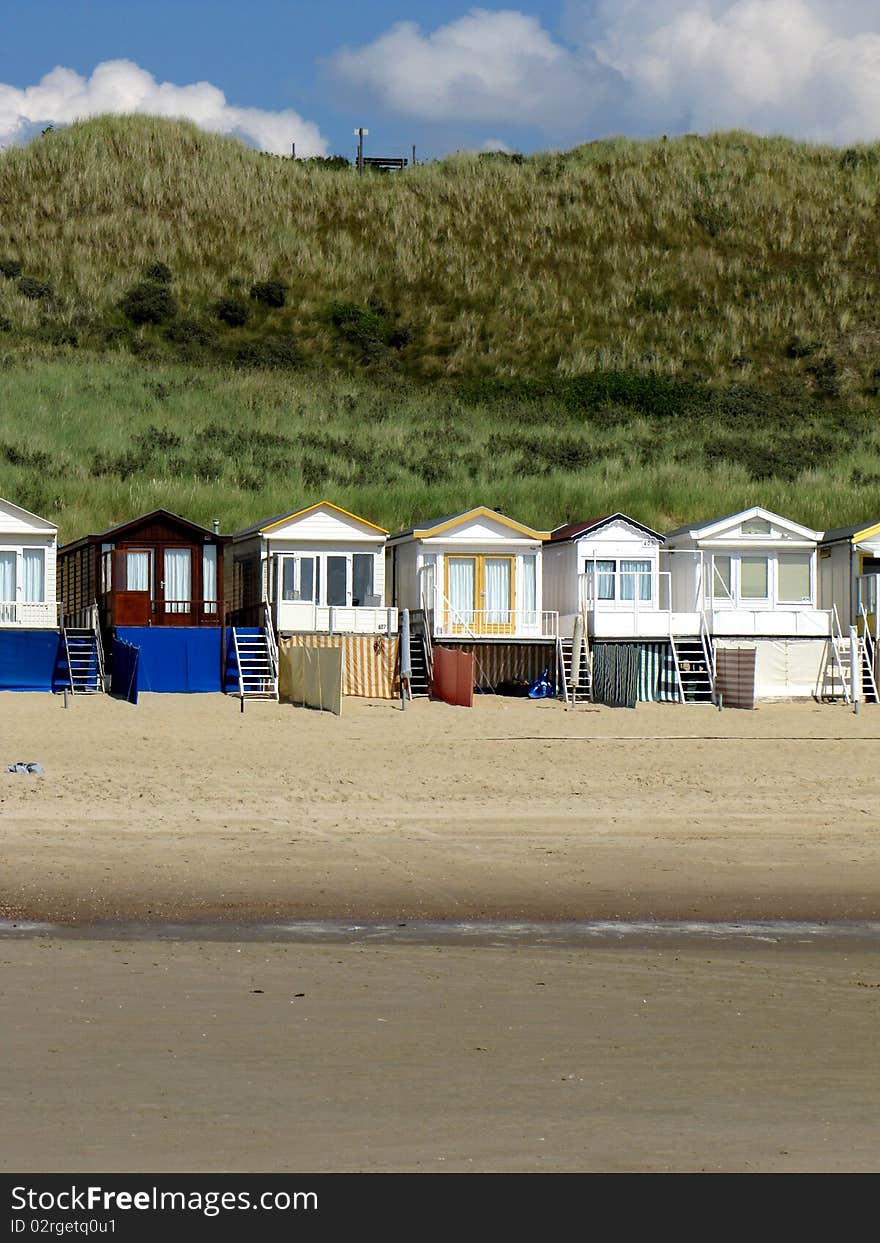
{"type": "Point", "coordinates": [673, 328]}
{"type": "Point", "coordinates": [88, 441]}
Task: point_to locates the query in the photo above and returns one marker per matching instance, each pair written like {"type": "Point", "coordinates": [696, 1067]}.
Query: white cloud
{"type": "Point", "coordinates": [120, 86]}
{"type": "Point", "coordinates": [496, 145]}
{"type": "Point", "coordinates": [808, 68]}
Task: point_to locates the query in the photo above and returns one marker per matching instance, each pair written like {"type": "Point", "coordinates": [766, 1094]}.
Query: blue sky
{"type": "Point", "coordinates": [445, 75]}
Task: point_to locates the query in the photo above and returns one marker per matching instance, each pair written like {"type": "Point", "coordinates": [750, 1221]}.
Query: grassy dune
{"type": "Point", "coordinates": [673, 328]}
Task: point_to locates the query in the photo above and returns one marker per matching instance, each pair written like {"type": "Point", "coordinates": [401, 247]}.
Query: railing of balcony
{"type": "Point", "coordinates": [496, 623]}
{"type": "Point", "coordinates": [29, 613]}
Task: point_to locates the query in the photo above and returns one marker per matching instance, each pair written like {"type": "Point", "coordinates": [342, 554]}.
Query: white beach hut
{"type": "Point", "coordinates": [28, 546]}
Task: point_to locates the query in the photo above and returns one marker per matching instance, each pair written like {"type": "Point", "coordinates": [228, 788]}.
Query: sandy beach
{"type": "Point", "coordinates": [184, 808]}
{"type": "Point", "coordinates": [231, 1055]}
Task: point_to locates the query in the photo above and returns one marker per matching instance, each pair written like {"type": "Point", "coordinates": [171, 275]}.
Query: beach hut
{"type": "Point", "coordinates": [607, 571]}
{"type": "Point", "coordinates": [28, 605]}
{"type": "Point", "coordinates": [318, 575]}
{"type": "Point", "coordinates": [751, 578]}
{"type": "Point", "coordinates": [474, 581]}
{"type": "Point", "coordinates": [156, 584]}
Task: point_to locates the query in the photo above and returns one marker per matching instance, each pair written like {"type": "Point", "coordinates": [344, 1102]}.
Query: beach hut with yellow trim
{"type": "Point", "coordinates": [475, 581]}
{"type": "Point", "coordinates": [320, 570]}
{"type": "Point", "coordinates": [849, 576]}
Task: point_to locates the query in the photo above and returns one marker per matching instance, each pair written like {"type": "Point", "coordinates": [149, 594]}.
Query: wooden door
{"type": "Point", "coordinates": [133, 586]}
{"type": "Point", "coordinates": [495, 577]}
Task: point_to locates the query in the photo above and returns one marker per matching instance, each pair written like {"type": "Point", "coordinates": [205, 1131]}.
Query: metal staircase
{"type": "Point", "coordinates": [420, 679]}
{"type": "Point", "coordinates": [256, 658]}
{"type": "Point", "coordinates": [694, 664]}
{"type": "Point", "coordinates": [84, 658]}
{"type": "Point", "coordinates": [837, 673]}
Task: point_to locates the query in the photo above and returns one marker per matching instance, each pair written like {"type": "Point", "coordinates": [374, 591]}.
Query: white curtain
{"type": "Point", "coordinates": [209, 578]}
{"type": "Point", "coordinates": [137, 571]}
{"type": "Point", "coordinates": [178, 580]}
{"type": "Point", "coordinates": [7, 577]}
{"type": "Point", "coordinates": [604, 571]}
{"type": "Point", "coordinates": [530, 589]}
{"type": "Point", "coordinates": [461, 590]}
{"type": "Point", "coordinates": [635, 580]}
{"type": "Point", "coordinates": [497, 572]}
{"type": "Point", "coordinates": [34, 567]}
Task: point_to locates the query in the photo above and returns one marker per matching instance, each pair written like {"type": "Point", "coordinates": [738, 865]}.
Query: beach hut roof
{"type": "Point", "coordinates": [717, 526]}
{"type": "Point", "coordinates": [266, 524]}
{"type": "Point", "coordinates": [575, 530]}
{"type": "Point", "coordinates": [436, 526]}
{"type": "Point", "coordinates": [165, 515]}
{"type": "Point", "coordinates": [24, 516]}
{"type": "Point", "coordinates": [853, 534]}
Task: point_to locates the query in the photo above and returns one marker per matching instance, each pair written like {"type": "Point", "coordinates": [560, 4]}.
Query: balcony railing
{"type": "Point", "coordinates": [495, 623]}
{"type": "Point", "coordinates": [302, 616]}
{"type": "Point", "coordinates": [29, 614]}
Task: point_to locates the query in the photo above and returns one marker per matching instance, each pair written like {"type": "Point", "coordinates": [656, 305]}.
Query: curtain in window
{"type": "Point", "coordinates": [603, 571]}
{"type": "Point", "coordinates": [793, 580]}
{"type": "Point", "coordinates": [753, 578]}
{"type": "Point", "coordinates": [137, 571]}
{"type": "Point", "coordinates": [635, 580]}
{"type": "Point", "coordinates": [530, 589]}
{"type": "Point", "coordinates": [7, 577]}
{"type": "Point", "coordinates": [497, 583]}
{"type": "Point", "coordinates": [209, 578]}
{"type": "Point", "coordinates": [428, 579]}
{"type": "Point", "coordinates": [178, 580]}
{"type": "Point", "coordinates": [461, 590]}
{"type": "Point", "coordinates": [34, 569]}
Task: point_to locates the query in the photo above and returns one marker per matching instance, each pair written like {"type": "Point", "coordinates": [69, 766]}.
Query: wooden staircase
{"type": "Point", "coordinates": [694, 673]}
{"type": "Point", "coordinates": [84, 658]}
{"type": "Point", "coordinates": [584, 688]}
{"type": "Point", "coordinates": [256, 658]}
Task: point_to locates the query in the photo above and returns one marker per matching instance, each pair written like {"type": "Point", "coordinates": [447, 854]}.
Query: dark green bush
{"type": "Point", "coordinates": [802, 347]}
{"type": "Point", "coordinates": [270, 293]}
{"type": "Point", "coordinates": [273, 353]}
{"type": "Point", "coordinates": [5, 324]}
{"type": "Point", "coordinates": [10, 268]}
{"type": "Point", "coordinates": [30, 287]}
{"type": "Point", "coordinates": [159, 273]}
{"type": "Point", "coordinates": [232, 311]}
{"type": "Point", "coordinates": [149, 303]}
{"type": "Point", "coordinates": [190, 332]}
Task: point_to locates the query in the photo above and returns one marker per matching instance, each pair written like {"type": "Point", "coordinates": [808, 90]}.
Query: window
{"type": "Point", "coordinates": [138, 571]}
{"type": "Point", "coordinates": [178, 579]}
{"type": "Point", "coordinates": [753, 578]}
{"type": "Point", "coordinates": [362, 578]}
{"type": "Point", "coordinates": [34, 568]}
{"type": "Point", "coordinates": [337, 584]}
{"type": "Point", "coordinates": [604, 572]}
{"type": "Point", "coordinates": [717, 577]}
{"type": "Point", "coordinates": [209, 578]}
{"type": "Point", "coordinates": [7, 577]}
{"type": "Point", "coordinates": [756, 526]}
{"type": "Point", "coordinates": [107, 567]}
{"type": "Point", "coordinates": [793, 578]}
{"type": "Point", "coordinates": [635, 580]}
{"type": "Point", "coordinates": [530, 586]}
{"type": "Point", "coordinates": [300, 579]}
{"type": "Point", "coordinates": [427, 594]}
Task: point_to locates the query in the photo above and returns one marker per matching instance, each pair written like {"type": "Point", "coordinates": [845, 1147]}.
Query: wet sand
{"type": "Point", "coordinates": [182, 808]}
{"type": "Point", "coordinates": [173, 1057]}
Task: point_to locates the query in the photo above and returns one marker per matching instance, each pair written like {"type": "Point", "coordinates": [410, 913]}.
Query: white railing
{"type": "Point", "coordinates": [28, 614]}
{"type": "Point", "coordinates": [631, 591]}
{"type": "Point", "coordinates": [496, 623]}
{"type": "Point", "coordinates": [305, 617]}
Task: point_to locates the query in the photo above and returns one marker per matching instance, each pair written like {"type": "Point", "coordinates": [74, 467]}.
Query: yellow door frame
{"type": "Point", "coordinates": [480, 625]}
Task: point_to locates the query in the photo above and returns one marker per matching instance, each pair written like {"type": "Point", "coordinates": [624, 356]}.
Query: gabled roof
{"type": "Point", "coordinates": [266, 524]}
{"type": "Point", "coordinates": [576, 530]}
{"type": "Point", "coordinates": [26, 515]}
{"type": "Point", "coordinates": [705, 530]}
{"type": "Point", "coordinates": [112, 533]}
{"type": "Point", "coordinates": [437, 526]}
{"type": "Point", "coordinates": [852, 534]}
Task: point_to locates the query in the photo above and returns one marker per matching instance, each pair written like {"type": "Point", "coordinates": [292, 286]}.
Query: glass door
{"type": "Point", "coordinates": [497, 595]}
{"type": "Point", "coordinates": [461, 593]}
{"type": "Point", "coordinates": [337, 581]}
{"type": "Point", "coordinates": [177, 582]}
